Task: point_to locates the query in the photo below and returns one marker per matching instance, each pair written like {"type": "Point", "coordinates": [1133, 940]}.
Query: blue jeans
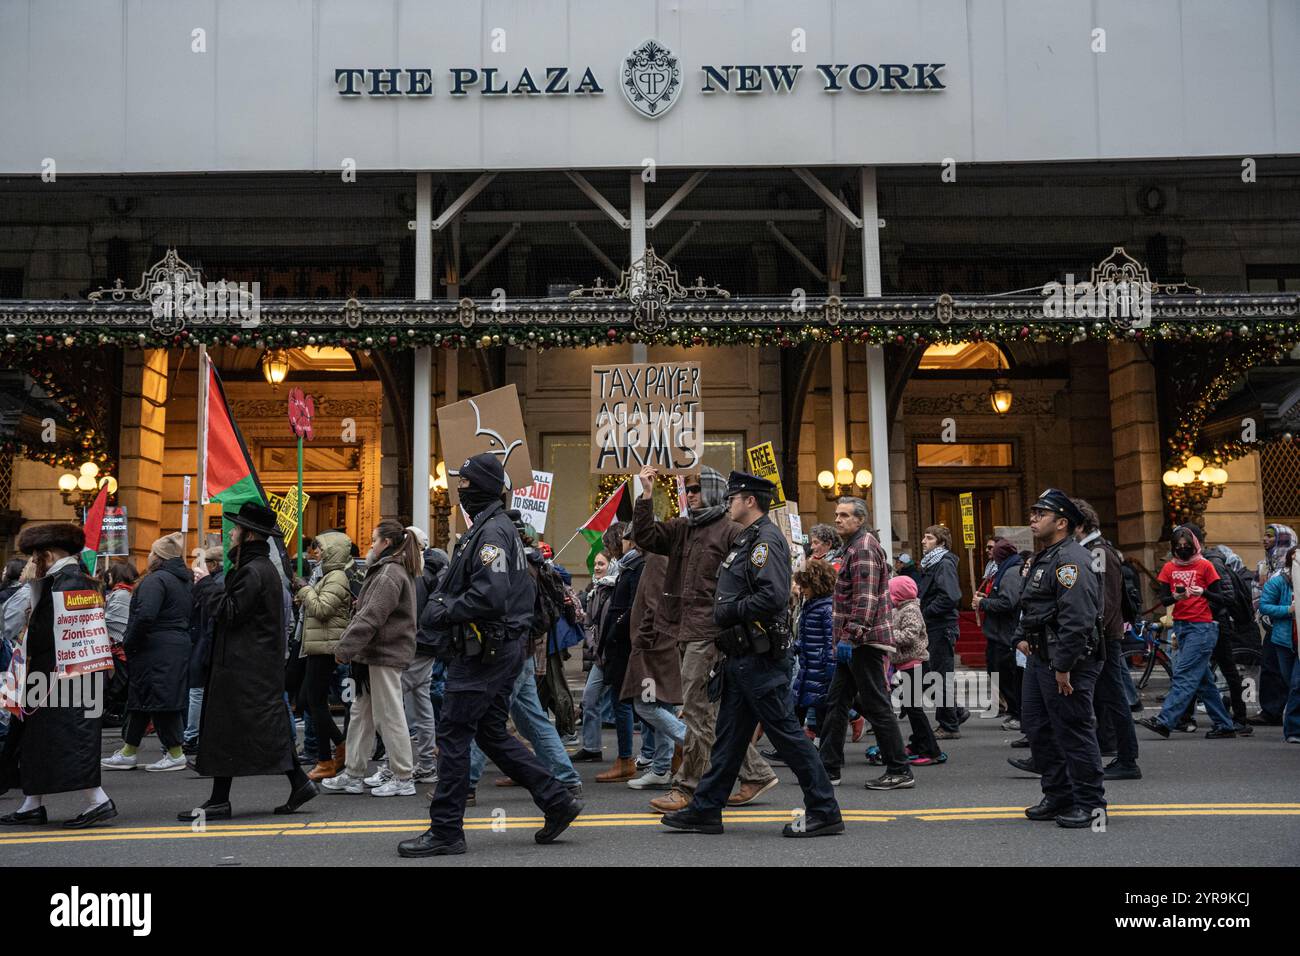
{"type": "Point", "coordinates": [531, 721]}
{"type": "Point", "coordinates": [1290, 667]}
{"type": "Point", "coordinates": [594, 697]}
{"type": "Point", "coordinates": [1192, 676]}
{"type": "Point", "coordinates": [668, 730]}
{"type": "Point", "coordinates": [192, 718]}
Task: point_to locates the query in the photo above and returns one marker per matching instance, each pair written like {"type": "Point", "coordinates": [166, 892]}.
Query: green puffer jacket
{"type": "Point", "coordinates": [327, 604]}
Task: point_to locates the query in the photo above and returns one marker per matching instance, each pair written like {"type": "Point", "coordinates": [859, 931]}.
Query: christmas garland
{"type": "Point", "coordinates": [783, 336]}
{"type": "Point", "coordinates": [91, 441]}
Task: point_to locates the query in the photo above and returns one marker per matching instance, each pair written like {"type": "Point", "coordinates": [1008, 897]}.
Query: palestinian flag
{"type": "Point", "coordinates": [94, 529]}
{"type": "Point", "coordinates": [228, 475]}
{"type": "Point", "coordinates": [618, 507]}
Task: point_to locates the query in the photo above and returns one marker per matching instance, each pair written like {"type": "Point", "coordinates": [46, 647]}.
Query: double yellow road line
{"type": "Point", "coordinates": [505, 821]}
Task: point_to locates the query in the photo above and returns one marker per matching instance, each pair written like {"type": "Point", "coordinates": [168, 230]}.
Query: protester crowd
{"type": "Point", "coordinates": [237, 666]}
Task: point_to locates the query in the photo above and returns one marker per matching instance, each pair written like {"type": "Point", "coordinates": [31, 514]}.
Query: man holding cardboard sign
{"type": "Point", "coordinates": [647, 414]}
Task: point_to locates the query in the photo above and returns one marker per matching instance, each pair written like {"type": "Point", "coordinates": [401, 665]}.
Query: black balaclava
{"type": "Point", "coordinates": [487, 481]}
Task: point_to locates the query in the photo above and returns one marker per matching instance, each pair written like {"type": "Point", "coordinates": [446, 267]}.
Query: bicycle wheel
{"type": "Point", "coordinates": [1147, 668]}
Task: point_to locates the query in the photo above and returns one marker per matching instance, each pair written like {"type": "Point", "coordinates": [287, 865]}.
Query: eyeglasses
{"type": "Point", "coordinates": [692, 489]}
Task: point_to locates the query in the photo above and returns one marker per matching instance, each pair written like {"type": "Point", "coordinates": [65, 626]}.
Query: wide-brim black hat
{"type": "Point", "coordinates": [255, 517]}
{"type": "Point", "coordinates": [53, 535]}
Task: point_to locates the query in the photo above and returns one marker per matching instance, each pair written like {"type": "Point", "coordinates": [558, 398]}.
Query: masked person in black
{"type": "Point", "coordinates": [1060, 632]}
{"type": "Point", "coordinates": [750, 610]}
{"type": "Point", "coordinates": [484, 610]}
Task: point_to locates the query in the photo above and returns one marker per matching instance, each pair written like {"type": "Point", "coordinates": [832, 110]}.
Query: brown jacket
{"type": "Point", "coordinates": [694, 556]}
{"type": "Point", "coordinates": [382, 630]}
{"type": "Point", "coordinates": [654, 654]}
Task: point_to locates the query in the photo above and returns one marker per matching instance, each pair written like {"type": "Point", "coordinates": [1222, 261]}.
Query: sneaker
{"type": "Point", "coordinates": [1011, 724]}
{"type": "Point", "coordinates": [425, 774]}
{"type": "Point", "coordinates": [1020, 744]}
{"type": "Point", "coordinates": [651, 781]}
{"type": "Point", "coordinates": [771, 756]}
{"type": "Point", "coordinates": [835, 777]}
{"type": "Point", "coordinates": [874, 758]}
{"type": "Point", "coordinates": [1119, 771]}
{"type": "Point", "coordinates": [1243, 730]}
{"type": "Point", "coordinates": [343, 783]}
{"type": "Point", "coordinates": [1217, 733]}
{"type": "Point", "coordinates": [379, 777]}
{"type": "Point", "coordinates": [1293, 740]}
{"type": "Point", "coordinates": [119, 761]}
{"type": "Point", "coordinates": [1153, 725]}
{"type": "Point", "coordinates": [570, 740]}
{"type": "Point", "coordinates": [859, 725]}
{"type": "Point", "coordinates": [642, 764]}
{"type": "Point", "coordinates": [395, 787]}
{"type": "Point", "coordinates": [167, 762]}
{"type": "Point", "coordinates": [892, 781]}
{"type": "Point", "coordinates": [921, 760]}
{"type": "Point", "coordinates": [942, 734]}
{"type": "Point", "coordinates": [1187, 727]}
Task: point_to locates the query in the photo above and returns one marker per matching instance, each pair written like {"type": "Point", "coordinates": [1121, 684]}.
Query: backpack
{"type": "Point", "coordinates": [1236, 593]}
{"type": "Point", "coordinates": [548, 606]}
{"type": "Point", "coordinates": [1130, 596]}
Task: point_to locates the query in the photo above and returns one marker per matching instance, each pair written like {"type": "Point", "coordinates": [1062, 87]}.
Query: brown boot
{"type": "Point", "coordinates": [323, 771]}
{"type": "Point", "coordinates": [504, 782]}
{"type": "Point", "coordinates": [624, 769]}
{"type": "Point", "coordinates": [671, 802]}
{"type": "Point", "coordinates": [749, 792]}
{"type": "Point", "coordinates": [340, 758]}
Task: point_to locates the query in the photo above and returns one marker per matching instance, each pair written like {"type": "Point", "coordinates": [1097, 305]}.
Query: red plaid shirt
{"type": "Point", "coordinates": [863, 613]}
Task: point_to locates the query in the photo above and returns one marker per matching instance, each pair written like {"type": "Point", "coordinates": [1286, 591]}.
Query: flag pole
{"type": "Point", "coordinates": [202, 433]}
{"type": "Point", "coordinates": [556, 553]}
{"type": "Point", "coordinates": [299, 504]}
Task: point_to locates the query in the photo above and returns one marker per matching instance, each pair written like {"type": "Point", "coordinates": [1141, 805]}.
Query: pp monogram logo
{"type": "Point", "coordinates": [652, 79]}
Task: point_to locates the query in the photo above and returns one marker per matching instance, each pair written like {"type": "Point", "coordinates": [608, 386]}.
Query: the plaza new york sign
{"type": "Point", "coordinates": [650, 76]}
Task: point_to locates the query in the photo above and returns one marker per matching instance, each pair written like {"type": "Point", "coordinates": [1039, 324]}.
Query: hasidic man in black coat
{"type": "Point", "coordinates": [244, 731]}
{"type": "Point", "coordinates": [55, 748]}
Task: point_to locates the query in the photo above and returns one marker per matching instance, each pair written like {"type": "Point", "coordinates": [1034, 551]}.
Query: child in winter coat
{"type": "Point", "coordinates": [816, 645]}
{"type": "Point", "coordinates": [912, 648]}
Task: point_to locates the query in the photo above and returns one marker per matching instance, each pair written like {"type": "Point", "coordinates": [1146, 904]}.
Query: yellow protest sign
{"type": "Point", "coordinates": [762, 462]}
{"type": "Point", "coordinates": [285, 507]}
{"type": "Point", "coordinates": [967, 501]}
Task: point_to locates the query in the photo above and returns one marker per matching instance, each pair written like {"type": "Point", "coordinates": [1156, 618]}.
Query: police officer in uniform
{"type": "Point", "coordinates": [481, 614]}
{"type": "Point", "coordinates": [750, 611]}
{"type": "Point", "coordinates": [1060, 630]}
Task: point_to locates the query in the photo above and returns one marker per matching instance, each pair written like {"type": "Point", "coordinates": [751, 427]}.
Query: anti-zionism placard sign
{"type": "Point", "coordinates": [646, 415]}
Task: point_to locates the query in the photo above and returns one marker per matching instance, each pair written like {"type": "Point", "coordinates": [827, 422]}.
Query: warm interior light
{"type": "Point", "coordinates": [844, 476]}
{"type": "Point", "coordinates": [67, 481]}
{"type": "Point", "coordinates": [863, 478]}
{"type": "Point", "coordinates": [1196, 463]}
{"type": "Point", "coordinates": [1220, 476]}
{"type": "Point", "coordinates": [89, 469]}
{"type": "Point", "coordinates": [1000, 396]}
{"type": "Point", "coordinates": [275, 366]}
{"type": "Point", "coordinates": [1170, 478]}
{"type": "Point", "coordinates": [111, 482]}
{"type": "Point", "coordinates": [86, 483]}
{"type": "Point", "coordinates": [824, 478]}
{"type": "Point", "coordinates": [845, 464]}
{"type": "Point", "coordinates": [1186, 475]}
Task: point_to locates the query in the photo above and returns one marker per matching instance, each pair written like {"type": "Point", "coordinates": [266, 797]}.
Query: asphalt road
{"type": "Point", "coordinates": [1216, 802]}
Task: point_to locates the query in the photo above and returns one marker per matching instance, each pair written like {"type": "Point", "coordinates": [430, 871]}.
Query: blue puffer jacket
{"type": "Point", "coordinates": [816, 653]}
{"type": "Point", "coordinates": [1275, 601]}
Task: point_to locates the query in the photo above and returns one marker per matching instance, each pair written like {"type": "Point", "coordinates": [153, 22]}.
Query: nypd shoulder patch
{"type": "Point", "coordinates": [1067, 574]}
{"type": "Point", "coordinates": [489, 553]}
{"type": "Point", "coordinates": [758, 556]}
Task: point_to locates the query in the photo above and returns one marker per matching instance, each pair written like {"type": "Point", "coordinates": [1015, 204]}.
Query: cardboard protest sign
{"type": "Point", "coordinates": [648, 414]}
{"type": "Point", "coordinates": [762, 462]}
{"type": "Point", "coordinates": [81, 642]}
{"type": "Point", "coordinates": [490, 423]}
{"type": "Point", "coordinates": [533, 502]}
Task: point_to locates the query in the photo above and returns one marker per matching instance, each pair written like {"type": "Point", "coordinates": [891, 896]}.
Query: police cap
{"type": "Point", "coordinates": [1058, 502]}
{"type": "Point", "coordinates": [743, 483]}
